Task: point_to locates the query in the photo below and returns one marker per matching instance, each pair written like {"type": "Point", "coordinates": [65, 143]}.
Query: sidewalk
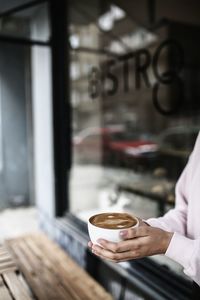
{"type": "Point", "coordinates": [17, 221]}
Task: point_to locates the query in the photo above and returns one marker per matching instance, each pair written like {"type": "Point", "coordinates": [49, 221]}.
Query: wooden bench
{"type": "Point", "coordinates": [34, 267]}
{"type": "Point", "coordinates": [11, 281]}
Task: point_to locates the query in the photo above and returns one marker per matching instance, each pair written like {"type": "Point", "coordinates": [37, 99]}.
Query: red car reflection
{"type": "Point", "coordinates": [114, 146]}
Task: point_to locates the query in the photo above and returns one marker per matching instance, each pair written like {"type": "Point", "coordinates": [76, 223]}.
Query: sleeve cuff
{"type": "Point", "coordinates": [157, 222]}
{"type": "Point", "coordinates": [181, 250]}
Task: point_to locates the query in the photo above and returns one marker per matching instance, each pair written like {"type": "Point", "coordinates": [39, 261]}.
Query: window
{"type": "Point", "coordinates": [136, 100]}
{"type": "Point", "coordinates": [1, 146]}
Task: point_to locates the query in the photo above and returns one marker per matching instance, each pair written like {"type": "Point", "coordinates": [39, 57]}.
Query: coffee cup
{"type": "Point", "coordinates": [108, 226]}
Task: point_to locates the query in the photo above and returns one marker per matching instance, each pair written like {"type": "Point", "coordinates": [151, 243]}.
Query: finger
{"type": "Point", "coordinates": [98, 254]}
{"type": "Point", "coordinates": [105, 253]}
{"type": "Point", "coordinates": [114, 247]}
{"type": "Point", "coordinates": [131, 233]}
{"type": "Point", "coordinates": [126, 245]}
{"type": "Point", "coordinates": [130, 245]}
{"type": "Point", "coordinates": [114, 257]}
{"type": "Point", "coordinates": [90, 244]}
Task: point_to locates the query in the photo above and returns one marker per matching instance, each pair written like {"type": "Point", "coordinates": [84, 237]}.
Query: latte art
{"type": "Point", "coordinates": [113, 220]}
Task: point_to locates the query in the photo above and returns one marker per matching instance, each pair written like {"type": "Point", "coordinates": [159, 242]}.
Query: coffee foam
{"type": "Point", "coordinates": [113, 220]}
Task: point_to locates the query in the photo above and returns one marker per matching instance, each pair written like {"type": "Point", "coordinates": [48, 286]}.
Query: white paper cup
{"type": "Point", "coordinates": [108, 234]}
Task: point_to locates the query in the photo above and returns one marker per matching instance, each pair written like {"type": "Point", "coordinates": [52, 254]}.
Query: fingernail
{"type": "Point", "coordinates": [123, 233]}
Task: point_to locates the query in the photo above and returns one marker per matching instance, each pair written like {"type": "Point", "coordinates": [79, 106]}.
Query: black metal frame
{"type": "Point", "coordinates": [61, 103]}
{"type": "Point", "coordinates": [23, 41]}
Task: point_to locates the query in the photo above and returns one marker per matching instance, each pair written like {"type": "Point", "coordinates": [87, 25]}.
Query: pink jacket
{"type": "Point", "coordinates": [184, 219]}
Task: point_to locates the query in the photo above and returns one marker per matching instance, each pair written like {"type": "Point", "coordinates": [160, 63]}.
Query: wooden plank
{"type": "Point", "coordinates": [6, 262]}
{"type": "Point", "coordinates": [3, 248]}
{"type": "Point", "coordinates": [48, 278]}
{"type": "Point", "coordinates": [69, 271]}
{"type": "Point", "coordinates": [38, 282]}
{"type": "Point", "coordinates": [70, 279]}
{"type": "Point", "coordinates": [51, 273]}
{"type": "Point", "coordinates": [4, 293]}
{"type": "Point", "coordinates": [28, 272]}
{"type": "Point", "coordinates": [5, 265]}
{"type": "Point", "coordinates": [4, 253]}
{"type": "Point", "coordinates": [49, 268]}
{"type": "Point", "coordinates": [25, 284]}
{"type": "Point", "coordinates": [5, 258]}
{"type": "Point", "coordinates": [15, 286]}
{"type": "Point", "coordinates": [39, 279]}
{"type": "Point", "coordinates": [67, 285]}
{"type": "Point", "coordinates": [10, 269]}
{"type": "Point", "coordinates": [12, 281]}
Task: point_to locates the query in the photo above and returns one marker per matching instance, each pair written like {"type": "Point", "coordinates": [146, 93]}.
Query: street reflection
{"type": "Point", "coordinates": [135, 101]}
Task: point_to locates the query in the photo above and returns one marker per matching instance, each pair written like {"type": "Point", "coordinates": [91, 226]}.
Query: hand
{"type": "Point", "coordinates": [141, 223]}
{"type": "Point", "coordinates": [138, 242]}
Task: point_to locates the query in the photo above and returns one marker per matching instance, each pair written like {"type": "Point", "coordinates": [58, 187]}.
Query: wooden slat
{"type": "Point", "coordinates": [51, 278]}
{"type": "Point", "coordinates": [84, 287]}
{"type": "Point", "coordinates": [12, 285]}
{"type": "Point", "coordinates": [42, 282]}
{"type": "Point", "coordinates": [48, 277]}
{"type": "Point", "coordinates": [6, 261]}
{"type": "Point", "coordinates": [4, 293]}
{"type": "Point", "coordinates": [15, 286]}
{"type": "Point", "coordinates": [6, 265]}
{"type": "Point", "coordinates": [48, 263]}
{"type": "Point", "coordinates": [51, 273]}
{"type": "Point", "coordinates": [30, 275]}
{"type": "Point", "coordinates": [81, 280]}
{"type": "Point", "coordinates": [3, 248]}
{"type": "Point", "coordinates": [5, 258]}
{"type": "Point", "coordinates": [70, 271]}
{"type": "Point", "coordinates": [11, 269]}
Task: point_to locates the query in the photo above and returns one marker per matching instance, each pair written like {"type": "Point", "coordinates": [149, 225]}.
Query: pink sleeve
{"type": "Point", "coordinates": [175, 219]}
{"type": "Point", "coordinates": [181, 249]}
{"type": "Point", "coordinates": [186, 251]}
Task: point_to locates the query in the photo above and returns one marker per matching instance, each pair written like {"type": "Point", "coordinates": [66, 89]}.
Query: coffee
{"type": "Point", "coordinates": [113, 220]}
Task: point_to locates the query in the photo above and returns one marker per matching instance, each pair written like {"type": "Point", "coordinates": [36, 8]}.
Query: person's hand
{"type": "Point", "coordinates": [137, 242]}
{"type": "Point", "coordinates": [141, 223]}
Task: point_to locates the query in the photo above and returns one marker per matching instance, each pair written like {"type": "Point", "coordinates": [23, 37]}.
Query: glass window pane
{"type": "Point", "coordinates": [27, 23]}
{"type": "Point", "coordinates": [135, 101]}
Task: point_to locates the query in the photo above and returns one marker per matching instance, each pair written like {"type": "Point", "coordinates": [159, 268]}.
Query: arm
{"type": "Point", "coordinates": [186, 251]}
{"type": "Point", "coordinates": [157, 238]}
{"type": "Point", "coordinates": [176, 219]}
{"type": "Point", "coordinates": [182, 249]}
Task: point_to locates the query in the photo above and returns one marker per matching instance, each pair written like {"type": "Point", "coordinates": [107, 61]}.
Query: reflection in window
{"type": "Point", "coordinates": [135, 99]}
{"type": "Point", "coordinates": [27, 23]}
{"type": "Point", "coordinates": [1, 141]}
